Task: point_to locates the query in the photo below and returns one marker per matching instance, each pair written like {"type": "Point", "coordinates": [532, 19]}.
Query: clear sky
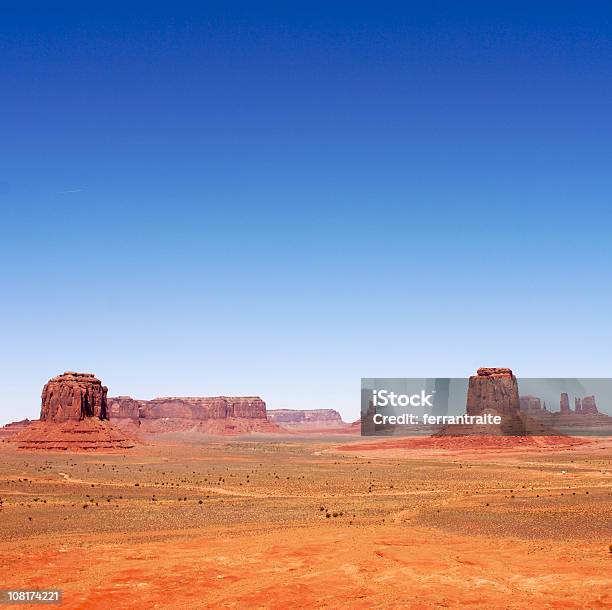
{"type": "Point", "coordinates": [280, 199]}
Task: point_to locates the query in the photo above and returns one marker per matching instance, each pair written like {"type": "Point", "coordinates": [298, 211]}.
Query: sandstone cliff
{"type": "Point", "coordinates": [73, 396]}
{"type": "Point", "coordinates": [206, 415]}
{"type": "Point", "coordinates": [493, 389]}
{"type": "Point", "coordinates": [307, 419]}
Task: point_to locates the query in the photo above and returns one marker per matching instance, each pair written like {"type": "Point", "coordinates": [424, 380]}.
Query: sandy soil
{"type": "Point", "coordinates": [312, 523]}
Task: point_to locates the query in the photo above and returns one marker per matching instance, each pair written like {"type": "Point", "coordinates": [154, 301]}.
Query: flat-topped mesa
{"type": "Point", "coordinates": [204, 407]}
{"type": "Point", "coordinates": [306, 418]}
{"type": "Point", "coordinates": [204, 414]}
{"type": "Point", "coordinates": [493, 389]}
{"type": "Point", "coordinates": [73, 397]}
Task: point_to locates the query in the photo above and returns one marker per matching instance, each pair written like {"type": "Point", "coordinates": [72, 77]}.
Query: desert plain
{"type": "Point", "coordinates": [313, 521]}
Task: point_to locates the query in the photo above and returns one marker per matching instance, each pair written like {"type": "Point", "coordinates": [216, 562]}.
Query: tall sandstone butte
{"type": "Point", "coordinates": [564, 403]}
{"type": "Point", "coordinates": [73, 416]}
{"type": "Point", "coordinates": [493, 388]}
{"type": "Point", "coordinates": [73, 396]}
{"type": "Point", "coordinates": [491, 391]}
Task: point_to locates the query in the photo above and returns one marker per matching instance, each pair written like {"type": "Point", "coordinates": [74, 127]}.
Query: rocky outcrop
{"type": "Point", "coordinates": [582, 406]}
{"type": "Point", "coordinates": [123, 407]}
{"type": "Point", "coordinates": [530, 404]}
{"type": "Point", "coordinates": [206, 415]}
{"type": "Point", "coordinates": [73, 416]}
{"type": "Point", "coordinates": [13, 428]}
{"type": "Point", "coordinates": [201, 408]}
{"type": "Point", "coordinates": [73, 397]}
{"type": "Point", "coordinates": [306, 419]}
{"type": "Point", "coordinates": [589, 407]}
{"type": "Point", "coordinates": [493, 389]}
{"type": "Point", "coordinates": [494, 392]}
{"type": "Point", "coordinates": [564, 404]}
{"type": "Point", "coordinates": [91, 434]}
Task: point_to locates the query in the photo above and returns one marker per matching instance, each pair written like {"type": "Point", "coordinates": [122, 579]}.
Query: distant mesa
{"type": "Point", "coordinates": [73, 416]}
{"type": "Point", "coordinates": [309, 420]}
{"type": "Point", "coordinates": [530, 404]}
{"type": "Point", "coordinates": [206, 415]}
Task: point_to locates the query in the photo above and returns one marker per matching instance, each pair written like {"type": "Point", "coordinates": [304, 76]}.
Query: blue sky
{"type": "Point", "coordinates": [262, 199]}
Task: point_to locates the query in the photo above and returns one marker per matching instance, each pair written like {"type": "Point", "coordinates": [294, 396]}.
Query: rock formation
{"type": "Point", "coordinates": [589, 407]}
{"type": "Point", "coordinates": [577, 405]}
{"type": "Point", "coordinates": [123, 411]}
{"type": "Point", "coordinates": [13, 428]}
{"type": "Point", "coordinates": [493, 389]}
{"type": "Point", "coordinates": [530, 404]}
{"type": "Point", "coordinates": [564, 403]}
{"type": "Point", "coordinates": [207, 415]}
{"type": "Point", "coordinates": [199, 408]}
{"type": "Point", "coordinates": [123, 407]}
{"type": "Point", "coordinates": [73, 396]}
{"type": "Point", "coordinates": [308, 419]}
{"type": "Point", "coordinates": [73, 415]}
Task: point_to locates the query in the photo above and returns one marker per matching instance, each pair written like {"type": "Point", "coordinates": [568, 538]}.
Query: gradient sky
{"type": "Point", "coordinates": [280, 199]}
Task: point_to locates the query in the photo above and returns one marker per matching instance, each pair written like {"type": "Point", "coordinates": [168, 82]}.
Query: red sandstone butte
{"type": "Point", "coordinates": [73, 416]}
{"type": "Point", "coordinates": [73, 396]}
{"type": "Point", "coordinates": [564, 403]}
{"type": "Point", "coordinates": [493, 389]}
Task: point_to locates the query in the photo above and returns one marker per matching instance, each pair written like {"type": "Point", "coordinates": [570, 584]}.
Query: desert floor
{"type": "Point", "coordinates": [311, 523]}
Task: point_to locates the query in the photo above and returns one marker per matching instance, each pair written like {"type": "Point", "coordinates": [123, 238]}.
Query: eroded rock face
{"type": "Point", "coordinates": [493, 389]}
{"type": "Point", "coordinates": [306, 418]}
{"type": "Point", "coordinates": [123, 407]}
{"type": "Point", "coordinates": [577, 405]}
{"type": "Point", "coordinates": [13, 428]}
{"type": "Point", "coordinates": [202, 408]}
{"type": "Point", "coordinates": [206, 415]}
{"type": "Point", "coordinates": [73, 397]}
{"type": "Point", "coordinates": [73, 417]}
{"type": "Point", "coordinates": [564, 403]}
{"type": "Point", "coordinates": [530, 404]}
{"type": "Point", "coordinates": [589, 406]}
